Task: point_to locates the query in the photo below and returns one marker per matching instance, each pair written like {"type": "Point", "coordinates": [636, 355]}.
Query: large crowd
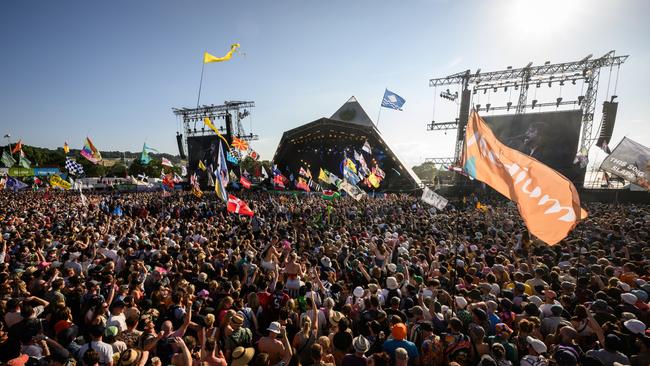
{"type": "Point", "coordinates": [143, 279]}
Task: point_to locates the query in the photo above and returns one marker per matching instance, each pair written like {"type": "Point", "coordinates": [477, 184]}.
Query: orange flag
{"type": "Point", "coordinates": [547, 201]}
{"type": "Point", "coordinates": [18, 147]}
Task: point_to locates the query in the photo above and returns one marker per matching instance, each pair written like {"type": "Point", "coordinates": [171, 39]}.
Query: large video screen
{"type": "Point", "coordinates": [206, 149]}
{"type": "Point", "coordinates": [550, 137]}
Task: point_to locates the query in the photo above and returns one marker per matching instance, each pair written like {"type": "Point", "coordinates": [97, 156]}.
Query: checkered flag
{"type": "Point", "coordinates": [73, 167]}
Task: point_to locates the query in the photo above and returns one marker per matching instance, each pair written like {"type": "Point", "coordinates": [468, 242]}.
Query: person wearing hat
{"type": "Point", "coordinates": [502, 336]}
{"type": "Point", "coordinates": [133, 357]}
{"type": "Point", "coordinates": [536, 349]}
{"type": "Point", "coordinates": [242, 356]}
{"type": "Point", "coordinates": [398, 340]}
{"type": "Point", "coordinates": [277, 349]}
{"type": "Point", "coordinates": [610, 354]}
{"type": "Point", "coordinates": [239, 337]}
{"type": "Point", "coordinates": [361, 345]}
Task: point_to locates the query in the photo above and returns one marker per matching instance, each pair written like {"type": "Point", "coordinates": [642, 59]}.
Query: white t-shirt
{"type": "Point", "coordinates": [104, 350]}
{"type": "Point", "coordinates": [117, 320]}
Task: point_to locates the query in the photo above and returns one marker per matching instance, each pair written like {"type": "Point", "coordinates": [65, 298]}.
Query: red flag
{"type": "Point", "coordinates": [235, 205]}
{"type": "Point", "coordinates": [302, 185]}
{"type": "Point", "coordinates": [18, 147]}
{"type": "Point", "coordinates": [278, 181]}
{"type": "Point", "coordinates": [245, 182]}
{"type": "Point", "coordinates": [168, 181]}
{"type": "Point", "coordinates": [254, 155]}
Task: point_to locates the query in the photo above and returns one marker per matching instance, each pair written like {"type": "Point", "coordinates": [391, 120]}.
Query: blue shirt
{"type": "Point", "coordinates": [392, 344]}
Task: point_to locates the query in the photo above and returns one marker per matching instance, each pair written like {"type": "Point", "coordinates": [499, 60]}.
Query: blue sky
{"type": "Point", "coordinates": [114, 69]}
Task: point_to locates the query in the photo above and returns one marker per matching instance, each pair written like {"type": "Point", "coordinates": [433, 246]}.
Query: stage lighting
{"type": "Point", "coordinates": [505, 89]}
{"type": "Point", "coordinates": [562, 83]}
{"type": "Point", "coordinates": [495, 89]}
{"type": "Point", "coordinates": [509, 104]}
{"type": "Point", "coordinates": [534, 104]}
{"type": "Point", "coordinates": [580, 99]}
{"type": "Point", "coordinates": [484, 91]}
{"type": "Point", "coordinates": [538, 84]}
{"type": "Point", "coordinates": [558, 101]}
{"type": "Point", "coordinates": [549, 83]}
{"type": "Point", "coordinates": [573, 82]}
{"type": "Point", "coordinates": [478, 107]}
{"type": "Point", "coordinates": [613, 97]}
{"type": "Point", "coordinates": [487, 107]}
{"type": "Point", "coordinates": [474, 91]}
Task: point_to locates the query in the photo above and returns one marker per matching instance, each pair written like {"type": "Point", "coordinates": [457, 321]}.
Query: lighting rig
{"type": "Point", "coordinates": [522, 79]}
{"type": "Point", "coordinates": [191, 117]}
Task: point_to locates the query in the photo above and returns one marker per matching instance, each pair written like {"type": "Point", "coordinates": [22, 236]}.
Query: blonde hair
{"type": "Point", "coordinates": [209, 320]}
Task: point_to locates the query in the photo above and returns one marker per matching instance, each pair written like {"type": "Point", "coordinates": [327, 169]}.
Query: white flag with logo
{"type": "Point", "coordinates": [434, 199]}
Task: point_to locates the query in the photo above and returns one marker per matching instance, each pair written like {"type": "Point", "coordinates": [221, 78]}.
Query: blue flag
{"type": "Point", "coordinates": [392, 100]}
{"type": "Point", "coordinates": [14, 184]}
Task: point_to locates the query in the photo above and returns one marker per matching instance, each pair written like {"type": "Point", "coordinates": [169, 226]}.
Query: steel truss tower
{"type": "Point", "coordinates": [587, 69]}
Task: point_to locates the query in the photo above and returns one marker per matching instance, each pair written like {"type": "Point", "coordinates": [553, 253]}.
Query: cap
{"type": "Point", "coordinates": [635, 326]}
{"type": "Point", "coordinates": [358, 291]}
{"type": "Point", "coordinates": [537, 345]}
{"type": "Point", "coordinates": [628, 298]}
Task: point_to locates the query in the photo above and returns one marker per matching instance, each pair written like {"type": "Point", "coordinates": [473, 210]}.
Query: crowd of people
{"type": "Point", "coordinates": [142, 279]}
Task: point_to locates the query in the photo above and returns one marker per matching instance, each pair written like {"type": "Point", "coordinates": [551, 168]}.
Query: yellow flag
{"type": "Point", "coordinates": [201, 165]}
{"type": "Point", "coordinates": [66, 148]}
{"type": "Point", "coordinates": [323, 176]}
{"type": "Point", "coordinates": [56, 181]}
{"type": "Point", "coordinates": [374, 180]}
{"type": "Point", "coordinates": [208, 123]}
{"type": "Point", "coordinates": [208, 58]}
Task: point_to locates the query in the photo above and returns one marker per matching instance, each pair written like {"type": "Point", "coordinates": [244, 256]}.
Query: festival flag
{"type": "Point", "coordinates": [323, 175]}
{"type": "Point", "coordinates": [265, 175]}
{"type": "Point", "coordinates": [354, 191]}
{"type": "Point", "coordinates": [197, 192]}
{"type": "Point", "coordinates": [18, 147]}
{"type": "Point", "coordinates": [434, 199]}
{"type": "Point", "coordinates": [207, 122]}
{"type": "Point", "coordinates": [201, 165]}
{"type": "Point", "coordinates": [84, 200]}
{"type": "Point", "coordinates": [209, 58]}
{"type": "Point", "coordinates": [378, 172]}
{"type": "Point", "coordinates": [23, 161]}
{"type": "Point", "coordinates": [240, 144]}
{"type": "Point", "coordinates": [222, 176]}
{"type": "Point", "coordinates": [14, 184]}
{"type": "Point", "coordinates": [392, 100]}
{"type": "Point", "coordinates": [246, 174]}
{"type": "Point", "coordinates": [303, 172]}
{"type": "Point", "coordinates": [90, 152]}
{"type": "Point", "coordinates": [210, 179]}
{"type": "Point", "coordinates": [232, 176]}
{"type": "Point", "coordinates": [167, 163]}
{"type": "Point", "coordinates": [480, 206]}
{"type": "Point", "coordinates": [254, 155]}
{"type": "Point", "coordinates": [374, 180]}
{"type": "Point", "coordinates": [302, 184]}
{"type": "Point", "coordinates": [329, 195]}
{"type": "Point", "coordinates": [66, 148]}
{"type": "Point", "coordinates": [7, 159]}
{"type": "Point", "coordinates": [168, 181]}
{"type": "Point", "coordinates": [366, 147]}
{"type": "Point", "coordinates": [245, 182]}
{"type": "Point", "coordinates": [183, 171]}
{"type": "Point", "coordinates": [363, 167]}
{"type": "Point", "coordinates": [350, 165]}
{"type": "Point", "coordinates": [278, 181]}
{"type": "Point", "coordinates": [231, 157]}
{"type": "Point", "coordinates": [144, 157]}
{"type": "Point", "coordinates": [56, 181]}
{"type": "Point", "coordinates": [548, 202]}
{"type": "Point", "coordinates": [237, 206]}
{"type": "Point", "coordinates": [333, 179]}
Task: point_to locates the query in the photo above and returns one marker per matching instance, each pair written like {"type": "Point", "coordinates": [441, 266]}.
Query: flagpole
{"type": "Point", "coordinates": [378, 114]}
{"type": "Point", "coordinates": [200, 84]}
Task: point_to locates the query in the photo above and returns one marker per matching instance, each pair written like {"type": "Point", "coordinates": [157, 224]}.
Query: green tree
{"type": "Point", "coordinates": [425, 171]}
{"type": "Point", "coordinates": [117, 170]}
